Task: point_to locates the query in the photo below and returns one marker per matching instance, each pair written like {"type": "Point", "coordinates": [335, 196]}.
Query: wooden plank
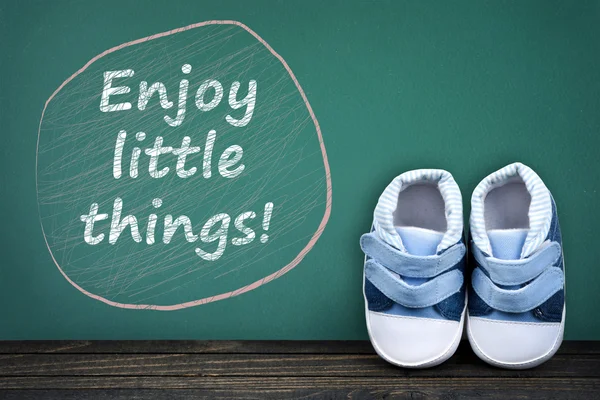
{"type": "Point", "coordinates": [407, 386]}
{"type": "Point", "coordinates": [276, 365]}
{"type": "Point", "coordinates": [187, 346]}
{"type": "Point", "coordinates": [416, 390]}
{"type": "Point", "coordinates": [220, 347]}
{"type": "Point", "coordinates": [298, 369]}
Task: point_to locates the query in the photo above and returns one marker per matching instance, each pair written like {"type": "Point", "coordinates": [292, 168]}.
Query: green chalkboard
{"type": "Point", "coordinates": [204, 170]}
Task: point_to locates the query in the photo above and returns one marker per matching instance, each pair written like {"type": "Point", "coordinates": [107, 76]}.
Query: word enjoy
{"type": "Point", "coordinates": [146, 92]}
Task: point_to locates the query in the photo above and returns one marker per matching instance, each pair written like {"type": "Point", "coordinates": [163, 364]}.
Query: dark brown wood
{"type": "Point", "coordinates": [221, 347]}
{"type": "Point", "coordinates": [275, 365]}
{"type": "Point", "coordinates": [278, 369]}
{"type": "Point", "coordinates": [190, 346]}
{"type": "Point", "coordinates": [302, 387]}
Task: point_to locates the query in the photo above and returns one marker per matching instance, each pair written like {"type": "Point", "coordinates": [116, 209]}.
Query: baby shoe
{"type": "Point", "coordinates": [413, 274]}
{"type": "Point", "coordinates": [516, 313]}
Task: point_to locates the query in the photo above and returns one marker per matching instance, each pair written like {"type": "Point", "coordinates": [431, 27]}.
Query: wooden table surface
{"type": "Point", "coordinates": [276, 369]}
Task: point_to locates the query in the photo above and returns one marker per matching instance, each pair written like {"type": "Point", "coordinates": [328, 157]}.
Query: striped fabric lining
{"type": "Point", "coordinates": [384, 219]}
{"type": "Point", "coordinates": [540, 209]}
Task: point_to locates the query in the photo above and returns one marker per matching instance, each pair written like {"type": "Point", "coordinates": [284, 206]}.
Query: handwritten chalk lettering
{"type": "Point", "coordinates": [152, 218]}
{"type": "Point", "coordinates": [249, 101]}
{"type": "Point", "coordinates": [201, 94]}
{"type": "Point", "coordinates": [216, 228]}
{"type": "Point", "coordinates": [172, 225]}
{"type": "Point", "coordinates": [229, 165]}
{"type": "Point", "coordinates": [118, 224]}
{"type": "Point", "coordinates": [208, 96]}
{"type": "Point", "coordinates": [240, 226]}
{"type": "Point", "coordinates": [220, 234]}
{"type": "Point", "coordinates": [195, 161]}
{"type": "Point", "coordinates": [90, 219]}
{"type": "Point", "coordinates": [109, 90]}
{"type": "Point", "coordinates": [154, 153]}
{"type": "Point", "coordinates": [183, 89]}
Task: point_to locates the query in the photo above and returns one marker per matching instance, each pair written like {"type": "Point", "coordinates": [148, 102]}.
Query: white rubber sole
{"type": "Point", "coordinates": [527, 364]}
{"type": "Point", "coordinates": [432, 362]}
{"type": "Point", "coordinates": [522, 365]}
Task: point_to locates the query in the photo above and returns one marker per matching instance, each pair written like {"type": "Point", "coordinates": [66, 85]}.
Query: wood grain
{"type": "Point", "coordinates": [228, 346]}
{"type": "Point", "coordinates": [190, 370]}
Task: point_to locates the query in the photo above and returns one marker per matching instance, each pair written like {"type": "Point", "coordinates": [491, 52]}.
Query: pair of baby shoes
{"type": "Point", "coordinates": [422, 285]}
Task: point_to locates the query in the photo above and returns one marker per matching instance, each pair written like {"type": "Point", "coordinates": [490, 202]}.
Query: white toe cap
{"type": "Point", "coordinates": [514, 344]}
{"type": "Point", "coordinates": [413, 342]}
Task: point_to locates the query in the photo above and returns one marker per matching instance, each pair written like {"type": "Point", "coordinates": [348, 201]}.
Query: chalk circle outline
{"type": "Point", "coordinates": [242, 289]}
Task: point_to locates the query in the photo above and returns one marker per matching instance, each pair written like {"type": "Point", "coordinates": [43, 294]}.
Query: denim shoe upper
{"type": "Point", "coordinates": [415, 253]}
{"type": "Point", "coordinates": [516, 249]}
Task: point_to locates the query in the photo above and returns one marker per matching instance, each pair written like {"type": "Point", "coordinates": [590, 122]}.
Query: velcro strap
{"type": "Point", "coordinates": [424, 295]}
{"type": "Point", "coordinates": [520, 300]}
{"type": "Point", "coordinates": [409, 265]}
{"type": "Point", "coordinates": [517, 272]}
